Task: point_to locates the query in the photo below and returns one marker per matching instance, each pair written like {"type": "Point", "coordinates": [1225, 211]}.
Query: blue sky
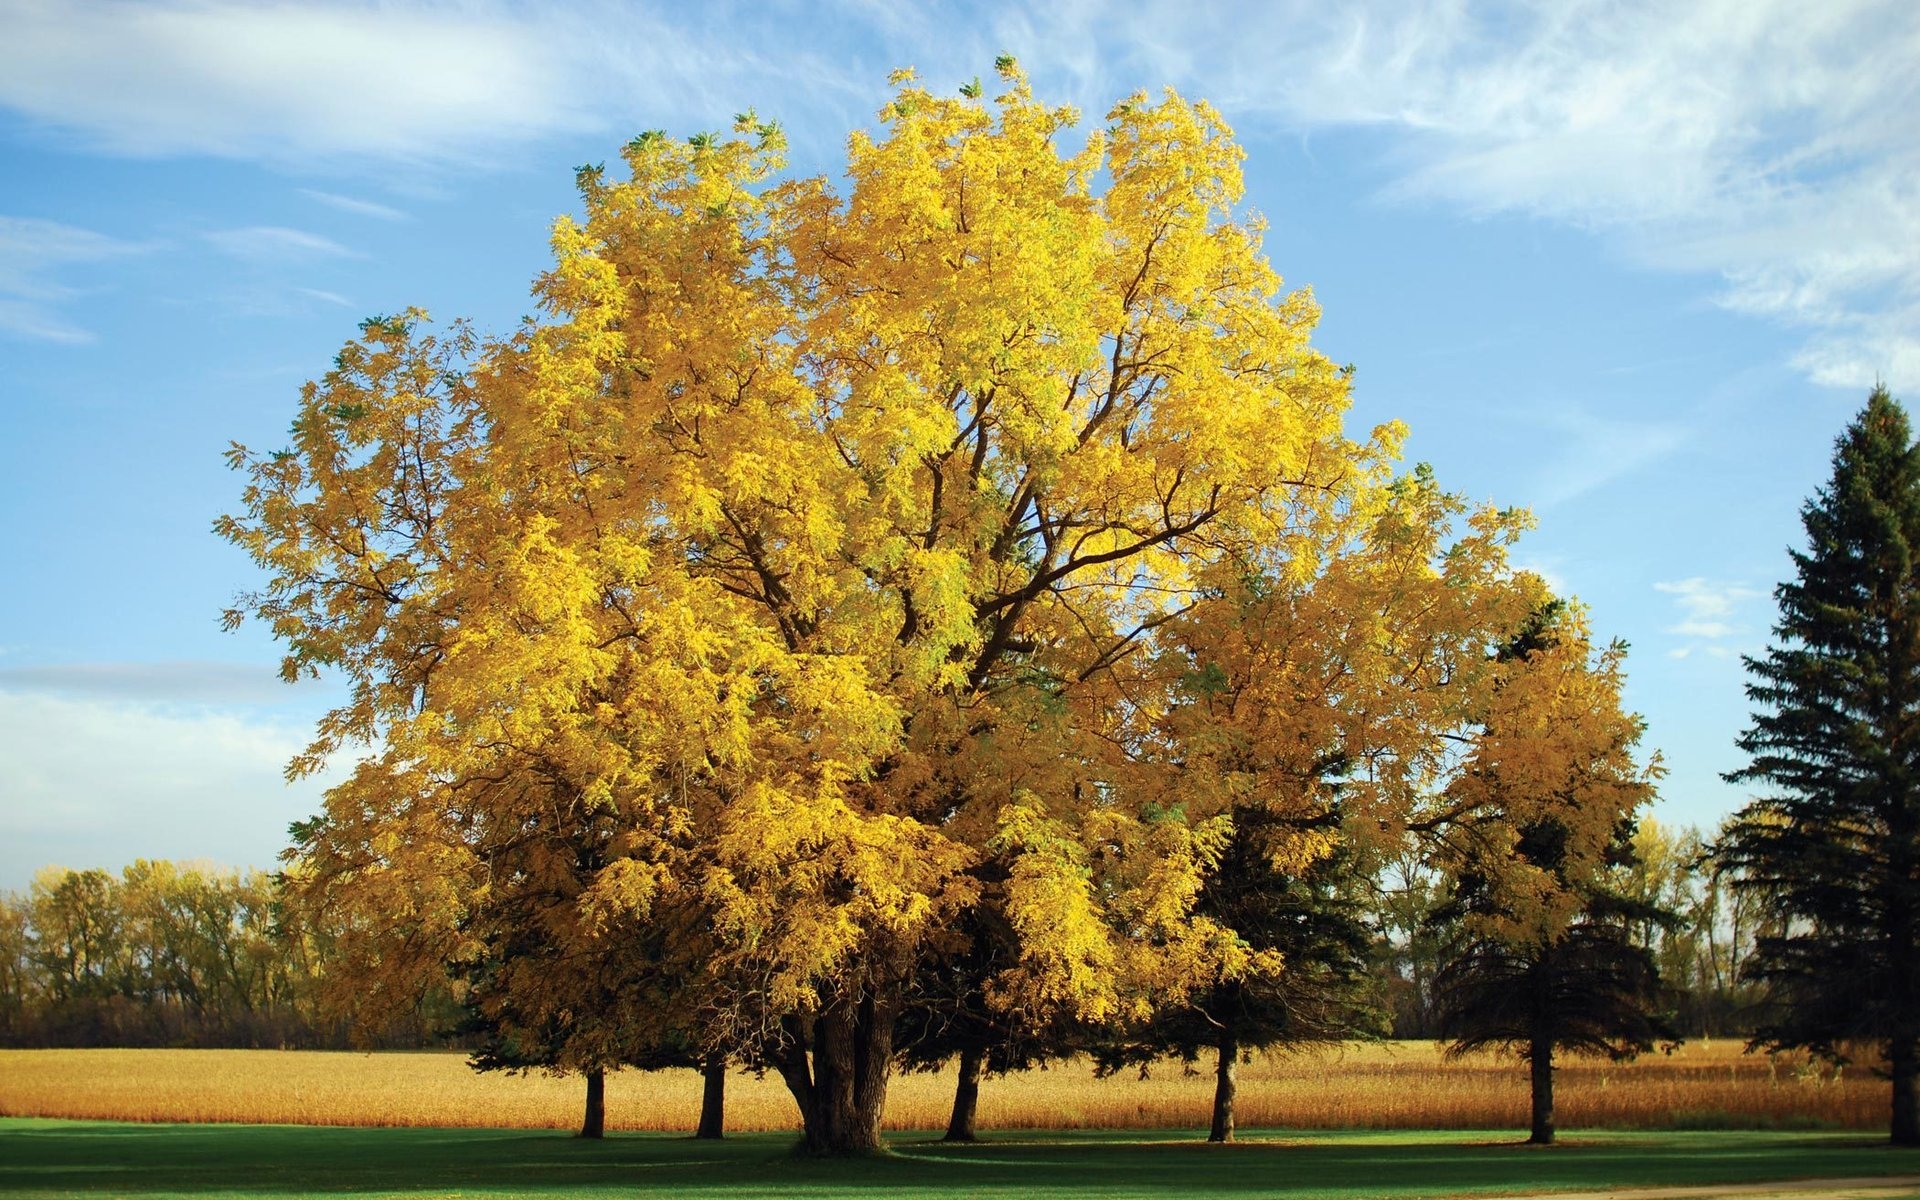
{"type": "Point", "coordinates": [1630, 265]}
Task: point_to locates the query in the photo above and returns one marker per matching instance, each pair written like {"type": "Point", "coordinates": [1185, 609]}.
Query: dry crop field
{"type": "Point", "coordinates": [1395, 1085]}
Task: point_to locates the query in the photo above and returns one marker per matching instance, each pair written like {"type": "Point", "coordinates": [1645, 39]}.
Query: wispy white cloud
{"type": "Point", "coordinates": [33, 255]}
{"type": "Point", "coordinates": [282, 81]}
{"type": "Point", "coordinates": [305, 81]}
{"type": "Point", "coordinates": [98, 781]}
{"type": "Point", "coordinates": [355, 205]}
{"type": "Point", "coordinates": [326, 297]}
{"type": "Point", "coordinates": [1593, 451]}
{"type": "Point", "coordinates": [1770, 143]}
{"type": "Point", "coordinates": [1709, 614]}
{"type": "Point", "coordinates": [275, 244]}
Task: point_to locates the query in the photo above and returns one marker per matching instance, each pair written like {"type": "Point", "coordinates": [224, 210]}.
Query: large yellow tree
{"type": "Point", "coordinates": [807, 550]}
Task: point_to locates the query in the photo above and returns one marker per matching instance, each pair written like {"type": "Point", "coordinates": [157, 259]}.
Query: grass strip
{"type": "Point", "coordinates": [85, 1158]}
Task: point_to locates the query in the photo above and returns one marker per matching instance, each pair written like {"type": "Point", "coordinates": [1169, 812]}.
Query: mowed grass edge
{"type": "Point", "coordinates": [74, 1158]}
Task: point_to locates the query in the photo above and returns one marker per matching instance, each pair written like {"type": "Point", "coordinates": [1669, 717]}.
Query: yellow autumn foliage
{"type": "Point", "coordinates": [797, 583]}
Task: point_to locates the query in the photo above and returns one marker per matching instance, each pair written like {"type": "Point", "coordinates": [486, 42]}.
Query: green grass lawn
{"type": "Point", "coordinates": [78, 1158]}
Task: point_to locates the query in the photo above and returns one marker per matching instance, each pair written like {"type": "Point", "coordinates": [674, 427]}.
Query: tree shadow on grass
{"type": "Point", "coordinates": [99, 1158]}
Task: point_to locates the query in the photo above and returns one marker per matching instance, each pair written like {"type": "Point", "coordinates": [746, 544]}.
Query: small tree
{"type": "Point", "coordinates": [1543, 958]}
{"type": "Point", "coordinates": [950, 1016]}
{"type": "Point", "coordinates": [1832, 849]}
{"type": "Point", "coordinates": [1592, 990]}
{"type": "Point", "coordinates": [1309, 703]}
{"type": "Point", "coordinates": [1309, 927]}
{"type": "Point", "coordinates": [19, 981]}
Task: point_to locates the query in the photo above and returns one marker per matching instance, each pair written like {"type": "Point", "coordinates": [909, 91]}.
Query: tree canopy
{"type": "Point", "coordinates": [820, 557]}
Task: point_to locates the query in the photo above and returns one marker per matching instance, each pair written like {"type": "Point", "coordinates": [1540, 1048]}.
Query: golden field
{"type": "Point", "coordinates": [1386, 1085]}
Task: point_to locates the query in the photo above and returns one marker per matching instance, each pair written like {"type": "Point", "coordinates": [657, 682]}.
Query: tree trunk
{"type": "Point", "coordinates": [841, 1087]}
{"type": "Point", "coordinates": [966, 1096]}
{"type": "Point", "coordinates": [594, 1124]}
{"type": "Point", "coordinates": [1903, 1056]}
{"type": "Point", "coordinates": [1225, 1084]}
{"type": "Point", "coordinates": [1540, 1062]}
{"type": "Point", "coordinates": [713, 1098]}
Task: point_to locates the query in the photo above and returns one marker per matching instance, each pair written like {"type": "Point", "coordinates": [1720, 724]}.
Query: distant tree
{"type": "Point", "coordinates": [18, 980]}
{"type": "Point", "coordinates": [1832, 845]}
{"type": "Point", "coordinates": [1407, 892]}
{"type": "Point", "coordinates": [77, 933]}
{"type": "Point", "coordinates": [1730, 920]}
{"type": "Point", "coordinates": [160, 955]}
{"type": "Point", "coordinates": [1543, 956]}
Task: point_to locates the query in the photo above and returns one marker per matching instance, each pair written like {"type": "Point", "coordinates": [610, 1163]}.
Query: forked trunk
{"type": "Point", "coordinates": [841, 1087]}
{"type": "Point", "coordinates": [1540, 1062]}
{"type": "Point", "coordinates": [1903, 1056]}
{"type": "Point", "coordinates": [966, 1096]}
{"type": "Point", "coordinates": [594, 1123]}
{"type": "Point", "coordinates": [1225, 1084]}
{"type": "Point", "coordinates": [713, 1098]}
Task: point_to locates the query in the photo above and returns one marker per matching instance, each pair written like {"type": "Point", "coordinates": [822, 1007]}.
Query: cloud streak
{"type": "Point", "coordinates": [34, 256]}
{"type": "Point", "coordinates": [302, 82]}
{"type": "Point", "coordinates": [276, 244]}
{"type": "Point", "coordinates": [1768, 142]}
{"type": "Point", "coordinates": [213, 683]}
{"type": "Point", "coordinates": [1595, 451]}
{"type": "Point", "coordinates": [282, 82]}
{"type": "Point", "coordinates": [355, 205]}
{"type": "Point", "coordinates": [1708, 614]}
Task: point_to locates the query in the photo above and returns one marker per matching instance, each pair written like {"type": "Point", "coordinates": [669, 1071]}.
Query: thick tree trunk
{"type": "Point", "coordinates": [1904, 1060]}
{"type": "Point", "coordinates": [713, 1098]}
{"type": "Point", "coordinates": [1225, 1084]}
{"type": "Point", "coordinates": [966, 1096]}
{"type": "Point", "coordinates": [594, 1124]}
{"type": "Point", "coordinates": [1540, 1062]}
{"type": "Point", "coordinates": [841, 1087]}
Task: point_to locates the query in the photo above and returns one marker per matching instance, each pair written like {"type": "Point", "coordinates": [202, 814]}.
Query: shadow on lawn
{"type": "Point", "coordinates": [80, 1158]}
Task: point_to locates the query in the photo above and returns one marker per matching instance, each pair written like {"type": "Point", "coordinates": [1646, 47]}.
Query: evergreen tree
{"type": "Point", "coordinates": [950, 1015]}
{"type": "Point", "coordinates": [1590, 990]}
{"type": "Point", "coordinates": [1322, 990]}
{"type": "Point", "coordinates": [1542, 956]}
{"type": "Point", "coordinates": [1832, 845]}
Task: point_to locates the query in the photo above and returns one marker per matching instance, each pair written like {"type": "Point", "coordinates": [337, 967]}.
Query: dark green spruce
{"type": "Point", "coordinates": [1831, 844]}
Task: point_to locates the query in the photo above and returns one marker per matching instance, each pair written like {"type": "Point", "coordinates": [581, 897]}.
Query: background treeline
{"type": "Point", "coordinates": [171, 954]}
{"type": "Point", "coordinates": [1700, 952]}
